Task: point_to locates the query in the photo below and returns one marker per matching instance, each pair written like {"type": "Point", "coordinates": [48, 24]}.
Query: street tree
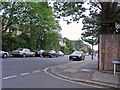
{"type": "Point", "coordinates": [70, 45]}
{"type": "Point", "coordinates": [108, 12]}
{"type": "Point", "coordinates": [90, 28]}
{"type": "Point", "coordinates": [27, 24]}
{"type": "Point", "coordinates": [103, 17]}
{"type": "Point", "coordinates": [79, 44]}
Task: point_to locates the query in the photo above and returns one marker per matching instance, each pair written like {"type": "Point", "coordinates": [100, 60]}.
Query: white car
{"type": "Point", "coordinates": [22, 52]}
{"type": "Point", "coordinates": [60, 53]}
{"type": "Point", "coordinates": [4, 54]}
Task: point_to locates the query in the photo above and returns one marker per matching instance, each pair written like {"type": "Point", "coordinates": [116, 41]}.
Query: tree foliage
{"type": "Point", "coordinates": [28, 24]}
{"type": "Point", "coordinates": [69, 44]}
{"type": "Point", "coordinates": [102, 18]}
{"type": "Point", "coordinates": [72, 9]}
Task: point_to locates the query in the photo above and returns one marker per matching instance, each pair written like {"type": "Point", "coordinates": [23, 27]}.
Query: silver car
{"type": "Point", "coordinates": [60, 53]}
{"type": "Point", "coordinates": [22, 52]}
{"type": "Point", "coordinates": [4, 54]}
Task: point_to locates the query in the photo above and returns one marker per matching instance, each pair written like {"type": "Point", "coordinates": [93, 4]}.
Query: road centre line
{"type": "Point", "coordinates": [9, 77]}
{"type": "Point", "coordinates": [36, 71]}
{"type": "Point", "coordinates": [24, 74]}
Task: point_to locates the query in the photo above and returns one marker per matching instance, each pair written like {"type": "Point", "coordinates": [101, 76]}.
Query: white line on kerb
{"type": "Point", "coordinates": [24, 74]}
{"type": "Point", "coordinates": [45, 70]}
{"type": "Point", "coordinates": [9, 77]}
{"type": "Point", "coordinates": [36, 71]}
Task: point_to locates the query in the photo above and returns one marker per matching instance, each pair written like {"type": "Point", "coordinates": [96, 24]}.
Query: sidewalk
{"type": "Point", "coordinates": [86, 71]}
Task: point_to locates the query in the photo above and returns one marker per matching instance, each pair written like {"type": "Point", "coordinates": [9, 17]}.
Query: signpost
{"type": "Point", "coordinates": [114, 63]}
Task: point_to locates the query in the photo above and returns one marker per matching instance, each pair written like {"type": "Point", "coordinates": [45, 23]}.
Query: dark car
{"type": "Point", "coordinates": [77, 55]}
{"type": "Point", "coordinates": [38, 53]}
{"type": "Point", "coordinates": [50, 54]}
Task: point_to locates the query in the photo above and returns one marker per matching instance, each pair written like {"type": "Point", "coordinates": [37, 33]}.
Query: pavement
{"type": "Point", "coordinates": [86, 71]}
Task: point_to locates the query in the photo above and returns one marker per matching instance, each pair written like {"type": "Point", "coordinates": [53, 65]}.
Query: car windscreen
{"type": "Point", "coordinates": [20, 49]}
{"type": "Point", "coordinates": [52, 51]}
{"type": "Point", "coordinates": [77, 52]}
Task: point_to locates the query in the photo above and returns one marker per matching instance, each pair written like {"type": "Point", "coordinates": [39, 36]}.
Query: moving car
{"type": "Point", "coordinates": [22, 52]}
{"type": "Point", "coordinates": [77, 55]}
{"type": "Point", "coordinates": [4, 54]}
{"type": "Point", "coordinates": [50, 54]}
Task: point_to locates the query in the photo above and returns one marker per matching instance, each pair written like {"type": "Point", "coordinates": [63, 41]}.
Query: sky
{"type": "Point", "coordinates": [73, 31]}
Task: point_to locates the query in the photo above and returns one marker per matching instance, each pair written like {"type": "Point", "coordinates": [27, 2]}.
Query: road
{"type": "Point", "coordinates": [29, 72]}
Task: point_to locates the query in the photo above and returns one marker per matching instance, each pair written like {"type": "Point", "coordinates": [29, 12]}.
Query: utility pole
{"type": "Point", "coordinates": [0, 33]}
{"type": "Point", "coordinates": [92, 48]}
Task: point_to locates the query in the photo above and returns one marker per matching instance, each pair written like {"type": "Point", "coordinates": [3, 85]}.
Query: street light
{"type": "Point", "coordinates": [92, 47]}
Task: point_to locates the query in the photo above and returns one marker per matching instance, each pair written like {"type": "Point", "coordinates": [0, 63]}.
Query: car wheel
{"type": "Point", "coordinates": [57, 56]}
{"type": "Point", "coordinates": [24, 55]}
{"type": "Point", "coordinates": [4, 55]}
{"type": "Point", "coordinates": [70, 59]}
{"type": "Point", "coordinates": [51, 56]}
{"type": "Point", "coordinates": [83, 58]}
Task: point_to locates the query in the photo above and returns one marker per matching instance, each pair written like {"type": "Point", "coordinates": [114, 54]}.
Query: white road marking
{"type": "Point", "coordinates": [13, 76]}
{"type": "Point", "coordinates": [45, 70]}
{"type": "Point", "coordinates": [24, 74]}
{"type": "Point", "coordinates": [36, 71]}
{"type": "Point", "coordinates": [9, 77]}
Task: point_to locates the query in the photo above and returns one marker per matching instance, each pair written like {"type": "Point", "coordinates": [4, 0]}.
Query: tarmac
{"type": "Point", "coordinates": [86, 71]}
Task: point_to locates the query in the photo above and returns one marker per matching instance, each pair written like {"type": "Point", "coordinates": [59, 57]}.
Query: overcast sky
{"type": "Point", "coordinates": [73, 31]}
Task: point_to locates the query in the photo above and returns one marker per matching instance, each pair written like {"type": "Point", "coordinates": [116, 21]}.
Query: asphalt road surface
{"type": "Point", "coordinates": [30, 72]}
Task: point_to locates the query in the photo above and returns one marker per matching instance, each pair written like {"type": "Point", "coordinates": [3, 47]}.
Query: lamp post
{"type": "Point", "coordinates": [0, 33]}
{"type": "Point", "coordinates": [92, 48]}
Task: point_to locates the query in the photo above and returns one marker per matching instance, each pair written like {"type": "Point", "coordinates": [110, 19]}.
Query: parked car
{"type": "Point", "coordinates": [54, 53]}
{"type": "Point", "coordinates": [4, 54]}
{"type": "Point", "coordinates": [38, 53]}
{"type": "Point", "coordinates": [60, 53]}
{"type": "Point", "coordinates": [77, 55]}
{"type": "Point", "coordinates": [50, 54]}
{"type": "Point", "coordinates": [22, 52]}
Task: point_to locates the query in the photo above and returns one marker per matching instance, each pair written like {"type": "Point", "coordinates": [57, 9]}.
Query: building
{"type": "Point", "coordinates": [78, 44]}
{"type": "Point", "coordinates": [62, 41]}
